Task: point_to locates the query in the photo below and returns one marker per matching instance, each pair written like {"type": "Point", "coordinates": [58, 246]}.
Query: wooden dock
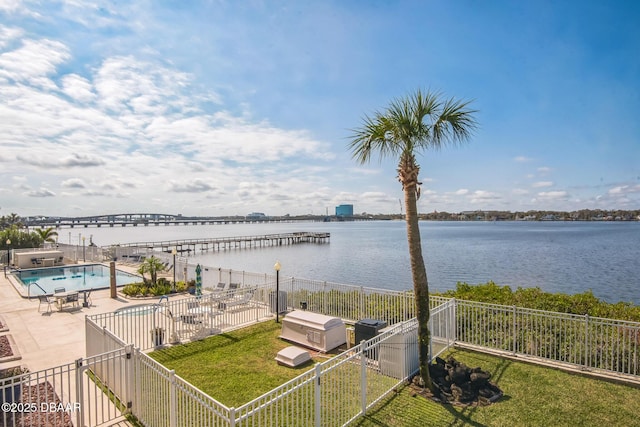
{"type": "Point", "coordinates": [224, 243]}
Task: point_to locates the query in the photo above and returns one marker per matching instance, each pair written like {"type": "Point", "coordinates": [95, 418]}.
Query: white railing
{"type": "Point", "coordinates": [335, 392]}
{"type": "Point", "coordinates": [71, 394]}
{"type": "Point", "coordinates": [343, 388]}
{"type": "Point", "coordinates": [164, 399]}
{"type": "Point", "coordinates": [586, 342]}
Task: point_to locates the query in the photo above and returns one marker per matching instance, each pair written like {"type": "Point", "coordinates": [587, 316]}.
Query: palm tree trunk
{"type": "Point", "coordinates": [420, 283]}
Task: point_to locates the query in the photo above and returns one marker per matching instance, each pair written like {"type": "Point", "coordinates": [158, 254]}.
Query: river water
{"type": "Point", "coordinates": [569, 257]}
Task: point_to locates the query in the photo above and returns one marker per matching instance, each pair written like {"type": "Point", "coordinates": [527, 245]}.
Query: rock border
{"type": "Point", "coordinates": [3, 324]}
{"type": "Point", "coordinates": [14, 349]}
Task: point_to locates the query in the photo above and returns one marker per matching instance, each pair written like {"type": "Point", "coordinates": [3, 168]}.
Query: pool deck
{"type": "Point", "coordinates": [44, 340]}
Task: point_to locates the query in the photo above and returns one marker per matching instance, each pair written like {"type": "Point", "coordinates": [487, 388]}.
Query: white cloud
{"type": "Point", "coordinates": [78, 88]}
{"type": "Point", "coordinates": [74, 183]}
{"type": "Point", "coordinates": [73, 160]}
{"type": "Point", "coordinates": [519, 191]}
{"type": "Point", "coordinates": [195, 186]}
{"type": "Point", "coordinates": [42, 192]}
{"type": "Point", "coordinates": [624, 189]}
{"type": "Point", "coordinates": [482, 196]}
{"type": "Point", "coordinates": [376, 197]}
{"type": "Point", "coordinates": [554, 195]}
{"type": "Point", "coordinates": [522, 159]}
{"type": "Point", "coordinates": [461, 192]}
{"type": "Point", "coordinates": [32, 61]}
{"type": "Point", "coordinates": [543, 170]}
{"type": "Point", "coordinates": [541, 184]}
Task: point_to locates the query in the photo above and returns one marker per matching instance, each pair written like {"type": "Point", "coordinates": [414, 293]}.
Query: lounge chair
{"type": "Point", "coordinates": [237, 300]}
{"type": "Point", "coordinates": [46, 299]}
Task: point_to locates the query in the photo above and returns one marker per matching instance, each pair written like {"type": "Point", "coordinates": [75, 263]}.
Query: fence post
{"type": "Point", "coordinates": [79, 393]}
{"type": "Point", "coordinates": [129, 376]}
{"type": "Point", "coordinates": [362, 309]}
{"type": "Point", "coordinates": [317, 396]}
{"type": "Point", "coordinates": [363, 377]}
{"type": "Point", "coordinates": [232, 416]}
{"type": "Point", "coordinates": [515, 327]}
{"type": "Point", "coordinates": [138, 382]}
{"type": "Point", "coordinates": [324, 298]}
{"type": "Point", "coordinates": [586, 341]}
{"type": "Point", "coordinates": [454, 320]}
{"type": "Point", "coordinates": [173, 422]}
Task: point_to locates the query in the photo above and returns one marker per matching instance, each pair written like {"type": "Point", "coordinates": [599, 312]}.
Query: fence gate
{"type": "Point", "coordinates": [89, 392]}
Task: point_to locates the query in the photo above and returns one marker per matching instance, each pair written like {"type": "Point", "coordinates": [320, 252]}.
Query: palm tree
{"type": "Point", "coordinates": [153, 266]}
{"type": "Point", "coordinates": [409, 125]}
{"type": "Point", "coordinates": [47, 234]}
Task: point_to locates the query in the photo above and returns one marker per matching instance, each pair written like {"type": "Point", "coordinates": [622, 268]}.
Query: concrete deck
{"type": "Point", "coordinates": [45, 339]}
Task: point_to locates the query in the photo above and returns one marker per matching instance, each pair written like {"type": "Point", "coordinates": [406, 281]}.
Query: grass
{"type": "Point", "coordinates": [533, 396]}
{"type": "Point", "coordinates": [234, 367]}
{"type": "Point", "coordinates": [239, 366]}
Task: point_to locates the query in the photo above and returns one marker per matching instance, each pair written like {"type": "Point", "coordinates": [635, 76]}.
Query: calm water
{"type": "Point", "coordinates": [75, 278]}
{"type": "Point", "coordinates": [556, 256]}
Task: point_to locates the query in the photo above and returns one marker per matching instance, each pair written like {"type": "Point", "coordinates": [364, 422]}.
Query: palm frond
{"type": "Point", "coordinates": [419, 121]}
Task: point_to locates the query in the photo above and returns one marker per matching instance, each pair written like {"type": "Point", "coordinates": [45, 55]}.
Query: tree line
{"type": "Point", "coordinates": [14, 235]}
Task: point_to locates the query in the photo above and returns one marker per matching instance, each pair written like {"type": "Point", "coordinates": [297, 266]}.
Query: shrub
{"type": "Point", "coordinates": [536, 298]}
{"type": "Point", "coordinates": [160, 289]}
{"type": "Point", "coordinates": [135, 289]}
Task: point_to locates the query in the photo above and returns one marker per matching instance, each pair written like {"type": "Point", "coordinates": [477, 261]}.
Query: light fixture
{"type": "Point", "coordinates": [277, 267]}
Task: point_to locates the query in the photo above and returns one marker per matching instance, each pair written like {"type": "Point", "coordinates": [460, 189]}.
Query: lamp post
{"type": "Point", "coordinates": [174, 252]}
{"type": "Point", "coordinates": [8, 242]}
{"type": "Point", "coordinates": [84, 259]}
{"type": "Point", "coordinates": [276, 267]}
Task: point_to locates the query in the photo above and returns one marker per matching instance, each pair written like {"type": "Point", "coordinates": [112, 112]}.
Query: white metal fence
{"type": "Point", "coordinates": [87, 392]}
{"type": "Point", "coordinates": [333, 393]}
{"type": "Point", "coordinates": [586, 342]}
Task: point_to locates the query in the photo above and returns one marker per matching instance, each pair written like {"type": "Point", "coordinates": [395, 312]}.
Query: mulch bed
{"type": "Point", "coordinates": [5, 347]}
{"type": "Point", "coordinates": [38, 393]}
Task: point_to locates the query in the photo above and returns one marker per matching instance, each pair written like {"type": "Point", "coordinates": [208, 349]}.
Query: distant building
{"type": "Point", "coordinates": [257, 216]}
{"type": "Point", "coordinates": [344, 210]}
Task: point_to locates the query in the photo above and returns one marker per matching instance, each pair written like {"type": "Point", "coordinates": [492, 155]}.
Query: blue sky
{"type": "Point", "coordinates": [231, 107]}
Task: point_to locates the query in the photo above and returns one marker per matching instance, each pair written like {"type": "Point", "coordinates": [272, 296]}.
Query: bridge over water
{"type": "Point", "coordinates": [155, 219]}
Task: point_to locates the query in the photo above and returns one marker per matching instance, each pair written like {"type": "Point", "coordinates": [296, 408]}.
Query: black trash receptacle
{"type": "Point", "coordinates": [366, 329]}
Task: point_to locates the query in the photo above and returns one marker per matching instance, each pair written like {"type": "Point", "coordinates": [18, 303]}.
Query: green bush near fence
{"type": "Point", "coordinates": [571, 337]}
{"type": "Point", "coordinates": [536, 298]}
{"type": "Point", "coordinates": [146, 289]}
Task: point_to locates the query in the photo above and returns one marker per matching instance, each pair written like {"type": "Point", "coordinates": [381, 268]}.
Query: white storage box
{"type": "Point", "coordinates": [293, 356]}
{"type": "Point", "coordinates": [317, 331]}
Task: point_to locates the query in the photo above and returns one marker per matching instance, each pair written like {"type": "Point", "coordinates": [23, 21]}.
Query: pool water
{"type": "Point", "coordinates": [71, 278]}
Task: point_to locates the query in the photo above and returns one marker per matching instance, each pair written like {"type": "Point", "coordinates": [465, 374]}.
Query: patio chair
{"type": "Point", "coordinates": [59, 290]}
{"type": "Point", "coordinates": [46, 299]}
{"type": "Point", "coordinates": [87, 299]}
{"type": "Point", "coordinates": [73, 298]}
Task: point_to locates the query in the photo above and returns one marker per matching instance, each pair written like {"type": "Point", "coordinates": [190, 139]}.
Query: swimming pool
{"type": "Point", "coordinates": [71, 278]}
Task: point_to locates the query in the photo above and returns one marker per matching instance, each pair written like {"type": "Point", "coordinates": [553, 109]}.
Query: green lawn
{"type": "Point", "coordinates": [533, 396]}
{"type": "Point", "coordinates": [239, 366]}
{"type": "Point", "coordinates": [219, 364]}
